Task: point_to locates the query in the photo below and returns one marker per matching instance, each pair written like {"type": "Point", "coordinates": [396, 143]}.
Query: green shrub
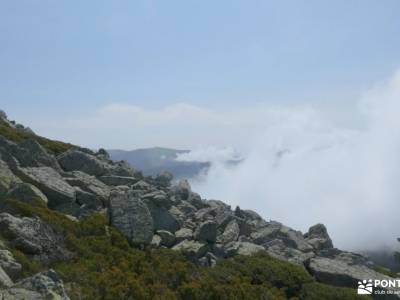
{"type": "Point", "coordinates": [385, 271]}
{"type": "Point", "coordinates": [29, 266]}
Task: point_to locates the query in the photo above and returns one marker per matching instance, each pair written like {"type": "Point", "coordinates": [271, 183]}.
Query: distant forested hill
{"type": "Point", "coordinates": [152, 161]}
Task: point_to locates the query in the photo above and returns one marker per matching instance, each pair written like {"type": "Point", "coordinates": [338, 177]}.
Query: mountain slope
{"type": "Point", "coordinates": [80, 226]}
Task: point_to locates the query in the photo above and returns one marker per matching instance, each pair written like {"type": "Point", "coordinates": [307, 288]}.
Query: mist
{"type": "Point", "coordinates": [304, 169]}
{"type": "Point", "coordinates": [298, 164]}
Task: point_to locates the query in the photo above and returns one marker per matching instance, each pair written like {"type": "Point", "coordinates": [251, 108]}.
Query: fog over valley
{"type": "Point", "coordinates": [298, 165]}
{"type": "Point", "coordinates": [303, 170]}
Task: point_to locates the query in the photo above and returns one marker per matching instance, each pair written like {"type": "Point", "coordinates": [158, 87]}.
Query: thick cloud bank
{"type": "Point", "coordinates": [303, 170]}
{"type": "Point", "coordinates": [298, 165]}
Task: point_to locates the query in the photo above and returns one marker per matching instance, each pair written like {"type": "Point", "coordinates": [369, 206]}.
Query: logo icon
{"type": "Point", "coordinates": [365, 287]}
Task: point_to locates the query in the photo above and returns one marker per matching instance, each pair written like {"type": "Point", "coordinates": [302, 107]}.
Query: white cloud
{"type": "Point", "coordinates": [345, 177]}
{"type": "Point", "coordinates": [178, 126]}
{"type": "Point", "coordinates": [210, 154]}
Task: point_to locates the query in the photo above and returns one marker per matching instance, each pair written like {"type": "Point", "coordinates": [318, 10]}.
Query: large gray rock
{"type": "Point", "coordinates": [294, 239]}
{"type": "Point", "coordinates": [5, 144]}
{"type": "Point", "coordinates": [10, 160]}
{"type": "Point", "coordinates": [206, 232]}
{"type": "Point", "coordinates": [50, 183]}
{"type": "Point", "coordinates": [247, 214]}
{"type": "Point", "coordinates": [9, 264]}
{"type": "Point", "coordinates": [7, 178]}
{"type": "Point", "coordinates": [266, 234]}
{"type": "Point", "coordinates": [30, 153]}
{"type": "Point", "coordinates": [192, 248]}
{"type": "Point", "coordinates": [250, 219]}
{"type": "Point", "coordinates": [178, 215]}
{"type": "Point", "coordinates": [196, 200]}
{"type": "Point", "coordinates": [242, 248]}
{"type": "Point", "coordinates": [142, 185]}
{"type": "Point", "coordinates": [186, 209]}
{"type": "Point", "coordinates": [218, 204]}
{"type": "Point", "coordinates": [182, 190]}
{"type": "Point", "coordinates": [274, 230]}
{"type": "Point", "coordinates": [118, 180]}
{"type": "Point", "coordinates": [204, 214]}
{"type": "Point", "coordinates": [184, 234]}
{"type": "Point", "coordinates": [231, 233]}
{"type": "Point", "coordinates": [132, 217]}
{"type": "Point", "coordinates": [164, 179]}
{"type": "Point", "coordinates": [344, 269]}
{"type": "Point", "coordinates": [190, 224]}
{"type": "Point", "coordinates": [162, 218]}
{"type": "Point", "coordinates": [318, 237]}
{"type": "Point", "coordinates": [278, 249]}
{"type": "Point", "coordinates": [88, 200]}
{"type": "Point", "coordinates": [75, 160]}
{"type": "Point", "coordinates": [122, 168]}
{"type": "Point", "coordinates": [34, 237]}
{"type": "Point", "coordinates": [90, 184]}
{"type": "Point", "coordinates": [5, 280]}
{"type": "Point", "coordinates": [167, 238]}
{"type": "Point", "coordinates": [27, 193]}
{"type": "Point", "coordinates": [159, 198]}
{"type": "Point", "coordinates": [42, 286]}
{"type": "Point", "coordinates": [221, 215]}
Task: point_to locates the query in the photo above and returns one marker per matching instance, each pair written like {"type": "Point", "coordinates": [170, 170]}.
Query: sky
{"type": "Point", "coordinates": [64, 62]}
{"type": "Point", "coordinates": [317, 81]}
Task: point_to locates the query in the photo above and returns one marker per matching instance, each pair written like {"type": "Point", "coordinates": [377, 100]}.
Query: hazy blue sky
{"type": "Point", "coordinates": [256, 76]}
{"type": "Point", "coordinates": [64, 59]}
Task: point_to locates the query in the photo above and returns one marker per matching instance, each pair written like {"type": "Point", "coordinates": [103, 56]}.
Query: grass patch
{"type": "Point", "coordinates": [385, 271]}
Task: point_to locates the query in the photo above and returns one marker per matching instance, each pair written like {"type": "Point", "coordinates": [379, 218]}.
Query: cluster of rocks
{"type": "Point", "coordinates": [209, 230]}
{"type": "Point", "coordinates": [40, 242]}
{"type": "Point", "coordinates": [149, 212]}
{"type": "Point", "coordinates": [161, 215]}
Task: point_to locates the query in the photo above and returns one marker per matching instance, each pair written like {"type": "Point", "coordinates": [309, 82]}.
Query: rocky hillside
{"type": "Point", "coordinates": [76, 225]}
